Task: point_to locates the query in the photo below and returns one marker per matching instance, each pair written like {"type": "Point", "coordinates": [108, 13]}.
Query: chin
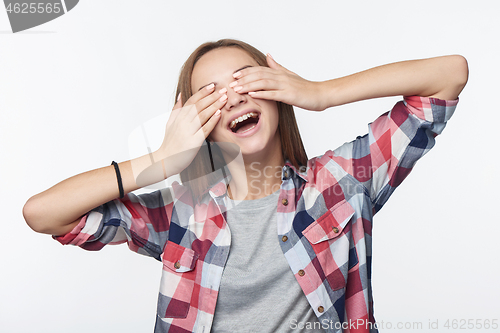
{"type": "Point", "coordinates": [260, 149]}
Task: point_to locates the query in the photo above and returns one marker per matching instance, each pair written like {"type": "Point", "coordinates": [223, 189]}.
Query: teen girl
{"type": "Point", "coordinates": [245, 248]}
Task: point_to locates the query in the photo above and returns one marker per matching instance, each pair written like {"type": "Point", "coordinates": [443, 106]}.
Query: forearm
{"type": "Point", "coordinates": [57, 210]}
{"type": "Point", "coordinates": [440, 77]}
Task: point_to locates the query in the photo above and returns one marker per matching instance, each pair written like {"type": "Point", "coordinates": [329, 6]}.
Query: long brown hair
{"type": "Point", "coordinates": [198, 172]}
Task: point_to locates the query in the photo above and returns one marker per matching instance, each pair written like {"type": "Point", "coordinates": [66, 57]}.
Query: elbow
{"type": "Point", "coordinates": [32, 215]}
{"type": "Point", "coordinates": [462, 71]}
{"type": "Point", "coordinates": [42, 220]}
{"type": "Point", "coordinates": [459, 75]}
{"type": "Point", "coordinates": [454, 75]}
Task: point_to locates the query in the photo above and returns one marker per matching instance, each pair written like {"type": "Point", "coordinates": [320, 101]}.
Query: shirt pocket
{"type": "Point", "coordinates": [177, 281]}
{"type": "Point", "coordinates": [330, 243]}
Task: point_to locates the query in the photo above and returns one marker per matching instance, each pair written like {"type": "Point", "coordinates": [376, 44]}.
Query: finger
{"type": "Point", "coordinates": [273, 95]}
{"type": "Point", "coordinates": [207, 113]}
{"type": "Point", "coordinates": [272, 63]}
{"type": "Point", "coordinates": [207, 106]}
{"type": "Point", "coordinates": [219, 97]}
{"type": "Point", "coordinates": [261, 84]}
{"type": "Point", "coordinates": [252, 70]}
{"type": "Point", "coordinates": [209, 126]}
{"type": "Point", "coordinates": [202, 99]}
{"type": "Point", "coordinates": [178, 103]}
{"type": "Point", "coordinates": [271, 79]}
{"type": "Point", "coordinates": [262, 73]}
{"type": "Point", "coordinates": [176, 109]}
{"type": "Point", "coordinates": [200, 94]}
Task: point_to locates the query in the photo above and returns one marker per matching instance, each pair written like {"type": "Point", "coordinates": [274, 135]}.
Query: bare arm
{"type": "Point", "coordinates": [441, 77]}
{"type": "Point", "coordinates": [58, 210]}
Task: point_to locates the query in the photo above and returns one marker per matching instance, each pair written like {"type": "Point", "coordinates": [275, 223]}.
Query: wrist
{"type": "Point", "coordinates": [158, 155]}
{"type": "Point", "coordinates": [147, 169]}
{"type": "Point", "coordinates": [165, 162]}
{"type": "Point", "coordinates": [328, 91]}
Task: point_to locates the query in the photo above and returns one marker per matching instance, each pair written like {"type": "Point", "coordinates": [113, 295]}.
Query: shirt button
{"type": "Point", "coordinates": [284, 238]}
{"type": "Point", "coordinates": [302, 272]}
{"type": "Point", "coordinates": [321, 309]}
{"type": "Point", "coordinates": [284, 202]}
{"type": "Point", "coordinates": [335, 230]}
{"type": "Point", "coordinates": [177, 265]}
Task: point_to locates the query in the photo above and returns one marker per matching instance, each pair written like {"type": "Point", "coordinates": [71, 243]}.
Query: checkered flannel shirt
{"type": "Point", "coordinates": [324, 213]}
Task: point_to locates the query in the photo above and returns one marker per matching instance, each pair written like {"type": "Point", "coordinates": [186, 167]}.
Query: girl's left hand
{"type": "Point", "coordinates": [279, 84]}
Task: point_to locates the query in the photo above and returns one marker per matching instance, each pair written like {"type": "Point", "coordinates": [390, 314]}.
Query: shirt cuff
{"type": "Point", "coordinates": [431, 109]}
{"type": "Point", "coordinates": [75, 236]}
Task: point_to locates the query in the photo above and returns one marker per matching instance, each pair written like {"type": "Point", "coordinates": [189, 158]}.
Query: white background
{"type": "Point", "coordinates": [74, 89]}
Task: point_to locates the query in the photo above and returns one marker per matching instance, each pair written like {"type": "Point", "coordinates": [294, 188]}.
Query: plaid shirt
{"type": "Point", "coordinates": [324, 213]}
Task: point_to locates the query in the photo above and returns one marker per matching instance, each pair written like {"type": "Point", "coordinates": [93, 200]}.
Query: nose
{"type": "Point", "coordinates": [234, 99]}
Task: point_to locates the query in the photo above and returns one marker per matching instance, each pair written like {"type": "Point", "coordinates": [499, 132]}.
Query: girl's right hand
{"type": "Point", "coordinates": [188, 126]}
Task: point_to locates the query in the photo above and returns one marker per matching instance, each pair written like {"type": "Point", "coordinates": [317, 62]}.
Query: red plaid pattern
{"type": "Point", "coordinates": [327, 218]}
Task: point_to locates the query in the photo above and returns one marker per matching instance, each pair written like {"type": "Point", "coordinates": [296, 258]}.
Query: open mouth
{"type": "Point", "coordinates": [244, 123]}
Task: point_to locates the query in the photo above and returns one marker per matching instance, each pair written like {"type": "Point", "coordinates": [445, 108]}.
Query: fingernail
{"type": "Point", "coordinates": [232, 84]}
{"type": "Point", "coordinates": [251, 92]}
{"type": "Point", "coordinates": [238, 88]}
{"type": "Point", "coordinates": [237, 75]}
{"type": "Point", "coordinates": [217, 113]}
{"type": "Point", "coordinates": [179, 97]}
{"type": "Point", "coordinates": [210, 86]}
{"type": "Point", "coordinates": [223, 98]}
{"type": "Point", "coordinates": [270, 56]}
{"type": "Point", "coordinates": [222, 91]}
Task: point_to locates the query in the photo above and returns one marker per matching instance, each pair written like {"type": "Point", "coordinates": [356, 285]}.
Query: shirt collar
{"type": "Point", "coordinates": [289, 169]}
{"type": "Point", "coordinates": [219, 189]}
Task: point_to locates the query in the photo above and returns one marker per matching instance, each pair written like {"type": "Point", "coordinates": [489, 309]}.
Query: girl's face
{"type": "Point", "coordinates": [256, 133]}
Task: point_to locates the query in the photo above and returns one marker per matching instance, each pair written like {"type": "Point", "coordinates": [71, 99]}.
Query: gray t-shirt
{"type": "Point", "coordinates": [258, 291]}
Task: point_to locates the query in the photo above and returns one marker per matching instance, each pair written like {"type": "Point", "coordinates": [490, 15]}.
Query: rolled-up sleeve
{"type": "Point", "coordinates": [400, 138]}
{"type": "Point", "coordinates": [383, 158]}
{"type": "Point", "coordinates": [141, 221]}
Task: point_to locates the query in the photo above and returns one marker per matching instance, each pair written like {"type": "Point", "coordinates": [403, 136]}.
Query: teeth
{"type": "Point", "coordinates": [242, 118]}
